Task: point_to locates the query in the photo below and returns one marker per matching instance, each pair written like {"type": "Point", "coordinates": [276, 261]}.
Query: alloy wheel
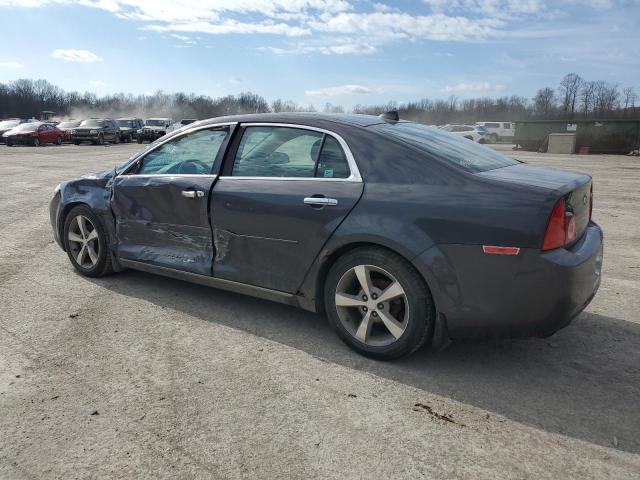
{"type": "Point", "coordinates": [372, 305]}
{"type": "Point", "coordinates": [83, 242]}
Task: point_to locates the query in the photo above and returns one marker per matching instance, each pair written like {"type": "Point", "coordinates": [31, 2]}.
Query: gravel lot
{"type": "Point", "coordinates": [141, 376]}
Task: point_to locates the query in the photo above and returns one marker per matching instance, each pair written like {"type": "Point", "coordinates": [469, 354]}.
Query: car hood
{"type": "Point", "coordinates": [126, 129]}
{"type": "Point", "coordinates": [14, 133]}
{"type": "Point", "coordinates": [546, 178]}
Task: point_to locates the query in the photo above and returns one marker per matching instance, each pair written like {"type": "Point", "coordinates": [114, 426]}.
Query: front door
{"type": "Point", "coordinates": [274, 208]}
{"type": "Point", "coordinates": [161, 203]}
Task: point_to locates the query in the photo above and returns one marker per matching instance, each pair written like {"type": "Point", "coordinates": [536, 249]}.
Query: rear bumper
{"type": "Point", "coordinates": [532, 294]}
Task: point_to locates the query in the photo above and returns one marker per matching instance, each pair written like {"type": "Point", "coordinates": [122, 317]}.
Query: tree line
{"type": "Point", "coordinates": [574, 98]}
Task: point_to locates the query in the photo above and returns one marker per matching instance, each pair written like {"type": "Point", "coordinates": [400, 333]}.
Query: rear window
{"type": "Point", "coordinates": [452, 148]}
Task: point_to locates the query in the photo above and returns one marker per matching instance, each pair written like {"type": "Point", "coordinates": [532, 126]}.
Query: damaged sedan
{"type": "Point", "coordinates": [401, 234]}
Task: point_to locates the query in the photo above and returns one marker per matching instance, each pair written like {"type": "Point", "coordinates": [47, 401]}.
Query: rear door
{"type": "Point", "coordinates": [161, 204]}
{"type": "Point", "coordinates": [283, 192]}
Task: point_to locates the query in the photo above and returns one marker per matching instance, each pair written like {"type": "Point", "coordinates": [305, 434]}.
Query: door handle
{"type": "Point", "coordinates": [192, 193]}
{"type": "Point", "coordinates": [320, 201]}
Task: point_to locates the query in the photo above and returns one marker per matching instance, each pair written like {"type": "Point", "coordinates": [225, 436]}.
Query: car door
{"type": "Point", "coordinates": [282, 193]}
{"type": "Point", "coordinates": [161, 203]}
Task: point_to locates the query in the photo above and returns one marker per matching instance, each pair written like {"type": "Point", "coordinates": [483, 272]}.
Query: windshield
{"type": "Point", "coordinates": [439, 144]}
{"type": "Point", "coordinates": [125, 123]}
{"type": "Point", "coordinates": [92, 122]}
{"type": "Point", "coordinates": [8, 124]}
{"type": "Point", "coordinates": [154, 123]}
{"type": "Point", "coordinates": [69, 124]}
{"type": "Point", "coordinates": [27, 127]}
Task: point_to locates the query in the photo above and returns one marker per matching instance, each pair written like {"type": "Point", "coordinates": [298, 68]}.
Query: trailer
{"type": "Point", "coordinates": [594, 136]}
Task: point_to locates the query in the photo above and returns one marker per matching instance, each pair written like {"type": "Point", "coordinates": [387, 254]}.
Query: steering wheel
{"type": "Point", "coordinates": [193, 166]}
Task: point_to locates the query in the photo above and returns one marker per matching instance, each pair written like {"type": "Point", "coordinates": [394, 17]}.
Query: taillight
{"type": "Point", "coordinates": [561, 228]}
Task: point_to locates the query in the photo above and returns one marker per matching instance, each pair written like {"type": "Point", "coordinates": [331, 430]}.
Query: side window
{"type": "Point", "coordinates": [277, 152]}
{"type": "Point", "coordinates": [507, 126]}
{"type": "Point", "coordinates": [289, 152]}
{"type": "Point", "coordinates": [189, 154]}
{"type": "Point", "coordinates": [332, 162]}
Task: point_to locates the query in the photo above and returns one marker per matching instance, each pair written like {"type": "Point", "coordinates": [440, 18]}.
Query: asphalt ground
{"type": "Point", "coordinates": [138, 376]}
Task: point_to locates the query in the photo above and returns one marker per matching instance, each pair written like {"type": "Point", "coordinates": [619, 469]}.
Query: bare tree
{"type": "Point", "coordinates": [544, 101]}
{"type": "Point", "coordinates": [569, 88]}
{"type": "Point", "coordinates": [606, 97]}
{"type": "Point", "coordinates": [629, 100]}
{"type": "Point", "coordinates": [587, 93]}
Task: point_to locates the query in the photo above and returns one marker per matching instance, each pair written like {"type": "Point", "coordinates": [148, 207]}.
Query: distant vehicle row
{"type": "Point", "coordinates": [483, 132]}
{"type": "Point", "coordinates": [94, 130]}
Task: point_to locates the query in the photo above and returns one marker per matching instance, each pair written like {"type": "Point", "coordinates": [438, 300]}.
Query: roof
{"type": "Point", "coordinates": [310, 119]}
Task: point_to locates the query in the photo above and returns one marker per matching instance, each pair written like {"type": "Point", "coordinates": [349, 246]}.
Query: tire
{"type": "Point", "coordinates": [96, 265]}
{"type": "Point", "coordinates": [76, 143]}
{"type": "Point", "coordinates": [59, 141]}
{"type": "Point", "coordinates": [9, 143]}
{"type": "Point", "coordinates": [116, 139]}
{"type": "Point", "coordinates": [139, 139]}
{"type": "Point", "coordinates": [494, 138]}
{"type": "Point", "coordinates": [413, 310]}
{"type": "Point", "coordinates": [35, 142]}
{"type": "Point", "coordinates": [101, 139]}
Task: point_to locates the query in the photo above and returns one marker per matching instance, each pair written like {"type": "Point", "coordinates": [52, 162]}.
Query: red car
{"type": "Point", "coordinates": [34, 134]}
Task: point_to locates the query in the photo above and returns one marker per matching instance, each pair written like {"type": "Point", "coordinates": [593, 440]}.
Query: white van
{"type": "Point", "coordinates": [499, 131]}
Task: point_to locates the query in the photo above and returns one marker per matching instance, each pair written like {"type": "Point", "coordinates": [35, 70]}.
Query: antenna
{"type": "Point", "coordinates": [391, 116]}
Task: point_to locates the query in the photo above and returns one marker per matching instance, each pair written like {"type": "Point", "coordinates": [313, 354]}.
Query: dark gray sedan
{"type": "Point", "coordinates": [400, 233]}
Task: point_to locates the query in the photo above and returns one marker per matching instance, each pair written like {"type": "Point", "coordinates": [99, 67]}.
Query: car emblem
{"type": "Point", "coordinates": [585, 199]}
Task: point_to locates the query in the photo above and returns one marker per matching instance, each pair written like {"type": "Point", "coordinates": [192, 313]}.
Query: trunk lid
{"type": "Point", "coordinates": [574, 187]}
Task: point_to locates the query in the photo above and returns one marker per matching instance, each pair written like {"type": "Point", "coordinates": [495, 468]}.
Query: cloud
{"type": "Point", "coordinates": [231, 26]}
{"type": "Point", "coordinates": [97, 83]}
{"type": "Point", "coordinates": [339, 91]}
{"type": "Point", "coordinates": [473, 88]}
{"type": "Point", "coordinates": [11, 64]}
{"type": "Point", "coordinates": [73, 55]}
{"type": "Point", "coordinates": [341, 27]}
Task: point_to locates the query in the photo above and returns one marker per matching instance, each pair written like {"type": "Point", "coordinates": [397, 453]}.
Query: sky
{"type": "Point", "coordinates": [316, 51]}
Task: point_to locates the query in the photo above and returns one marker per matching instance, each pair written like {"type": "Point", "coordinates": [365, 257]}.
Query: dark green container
{"type": "Point", "coordinates": [601, 136]}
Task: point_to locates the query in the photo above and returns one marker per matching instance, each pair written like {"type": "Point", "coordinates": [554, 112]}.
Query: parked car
{"type": "Point", "coordinates": [470, 132]}
{"type": "Point", "coordinates": [180, 124]}
{"type": "Point", "coordinates": [153, 129]}
{"type": "Point", "coordinates": [33, 133]}
{"type": "Point", "coordinates": [6, 125]}
{"type": "Point", "coordinates": [96, 131]}
{"type": "Point", "coordinates": [129, 128]}
{"type": "Point", "coordinates": [393, 229]}
{"type": "Point", "coordinates": [499, 131]}
{"type": "Point", "coordinates": [66, 127]}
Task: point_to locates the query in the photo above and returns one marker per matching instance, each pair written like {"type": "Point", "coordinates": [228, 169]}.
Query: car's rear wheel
{"type": "Point", "coordinates": [378, 303]}
{"type": "Point", "coordinates": [59, 141]}
{"type": "Point", "coordinates": [86, 242]}
{"type": "Point", "coordinates": [494, 138]}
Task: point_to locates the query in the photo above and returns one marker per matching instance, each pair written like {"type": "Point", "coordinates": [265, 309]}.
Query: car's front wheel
{"type": "Point", "coordinates": [378, 303]}
{"type": "Point", "coordinates": [86, 242]}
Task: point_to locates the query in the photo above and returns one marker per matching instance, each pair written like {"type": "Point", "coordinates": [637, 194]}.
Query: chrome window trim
{"type": "Point", "coordinates": [165, 175]}
{"type": "Point", "coordinates": [144, 153]}
{"type": "Point", "coordinates": [354, 172]}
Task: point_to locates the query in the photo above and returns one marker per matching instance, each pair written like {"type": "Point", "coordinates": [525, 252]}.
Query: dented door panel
{"type": "Point", "coordinates": [264, 233]}
{"type": "Point", "coordinates": [156, 223]}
